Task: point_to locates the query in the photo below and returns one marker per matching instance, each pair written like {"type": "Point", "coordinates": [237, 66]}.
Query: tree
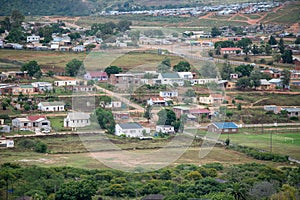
{"type": "Point", "coordinates": [40, 147]}
{"type": "Point", "coordinates": [4, 104]}
{"type": "Point", "coordinates": [244, 70]}
{"type": "Point", "coordinates": [190, 93]}
{"type": "Point", "coordinates": [272, 40]}
{"type": "Point", "coordinates": [79, 190]}
{"type": "Point", "coordinates": [209, 70]}
{"type": "Point", "coordinates": [224, 44]}
{"type": "Point", "coordinates": [238, 190]}
{"type": "Point", "coordinates": [255, 49]}
{"type": "Point", "coordinates": [16, 35]}
{"type": "Point", "coordinates": [166, 117]}
{"type": "Point", "coordinates": [243, 83]}
{"type": "Point", "coordinates": [255, 77]}
{"type": "Point", "coordinates": [297, 41]}
{"type": "Point", "coordinates": [112, 70]}
{"type": "Point", "coordinates": [287, 56]}
{"type": "Point", "coordinates": [226, 71]}
{"type": "Point", "coordinates": [285, 77]}
{"type": "Point", "coordinates": [17, 18]}
{"type": "Point", "coordinates": [276, 57]}
{"type": "Point", "coordinates": [244, 43]}
{"type": "Point", "coordinates": [215, 32]}
{"type": "Point", "coordinates": [124, 25]}
{"type": "Point", "coordinates": [281, 46]}
{"type": "Point", "coordinates": [74, 68]}
{"type": "Point", "coordinates": [225, 56]}
{"type": "Point", "coordinates": [147, 113]}
{"type": "Point", "coordinates": [182, 66]}
{"type": "Point", "coordinates": [6, 24]}
{"type": "Point", "coordinates": [268, 49]}
{"type": "Point", "coordinates": [164, 66]}
{"type": "Point", "coordinates": [105, 119]}
{"type": "Point", "coordinates": [31, 67]}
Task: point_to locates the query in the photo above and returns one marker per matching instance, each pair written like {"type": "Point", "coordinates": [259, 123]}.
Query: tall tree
{"type": "Point", "coordinates": [226, 71]}
{"type": "Point", "coordinates": [272, 40]}
{"type": "Point", "coordinates": [209, 70]}
{"type": "Point", "coordinates": [244, 43]}
{"type": "Point", "coordinates": [287, 56]}
{"type": "Point", "coordinates": [281, 46]}
{"type": "Point", "coordinates": [166, 117]}
{"type": "Point", "coordinates": [285, 77]}
{"type": "Point", "coordinates": [74, 67]}
{"type": "Point", "coordinates": [244, 70]}
{"type": "Point", "coordinates": [255, 77]}
{"type": "Point", "coordinates": [105, 119]}
{"type": "Point", "coordinates": [182, 66]}
{"type": "Point", "coordinates": [164, 66]}
{"type": "Point", "coordinates": [215, 32]}
{"type": "Point", "coordinates": [243, 83]}
{"type": "Point", "coordinates": [124, 25]}
{"type": "Point", "coordinates": [112, 70]}
{"type": "Point", "coordinates": [17, 18]}
{"type": "Point", "coordinates": [147, 113]}
{"type": "Point", "coordinates": [31, 67]}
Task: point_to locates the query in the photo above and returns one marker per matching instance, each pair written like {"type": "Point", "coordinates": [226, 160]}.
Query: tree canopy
{"type": "Point", "coordinates": [182, 66]}
{"type": "Point", "coordinates": [31, 67]}
{"type": "Point", "coordinates": [112, 70]}
{"type": "Point", "coordinates": [74, 68]}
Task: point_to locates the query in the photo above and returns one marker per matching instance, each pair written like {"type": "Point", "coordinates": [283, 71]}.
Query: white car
{"type": "Point", "coordinates": [46, 131]}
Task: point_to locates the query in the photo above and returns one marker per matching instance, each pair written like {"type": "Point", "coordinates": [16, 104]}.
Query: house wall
{"type": "Point", "coordinates": [213, 129]}
{"type": "Point", "coordinates": [65, 83]}
{"type": "Point", "coordinates": [51, 108]}
{"type": "Point", "coordinates": [76, 123]}
{"type": "Point", "coordinates": [129, 132]}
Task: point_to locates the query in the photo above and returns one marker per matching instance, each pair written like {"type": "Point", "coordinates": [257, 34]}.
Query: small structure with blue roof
{"type": "Point", "coordinates": [223, 127]}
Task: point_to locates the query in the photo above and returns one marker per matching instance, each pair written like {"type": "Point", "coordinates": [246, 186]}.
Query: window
{"type": "Point", "coordinates": [226, 130]}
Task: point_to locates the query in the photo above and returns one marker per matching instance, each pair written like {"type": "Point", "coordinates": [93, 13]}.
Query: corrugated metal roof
{"type": "Point", "coordinates": [130, 125]}
{"type": "Point", "coordinates": [223, 125]}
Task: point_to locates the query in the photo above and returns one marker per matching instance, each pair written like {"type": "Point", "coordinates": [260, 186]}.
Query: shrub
{"type": "Point", "coordinates": [294, 118]}
{"type": "Point", "coordinates": [217, 166]}
{"type": "Point", "coordinates": [40, 147]}
{"type": "Point", "coordinates": [26, 143]}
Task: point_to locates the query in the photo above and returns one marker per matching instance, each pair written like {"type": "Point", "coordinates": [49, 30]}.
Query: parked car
{"type": "Point", "coordinates": [46, 131]}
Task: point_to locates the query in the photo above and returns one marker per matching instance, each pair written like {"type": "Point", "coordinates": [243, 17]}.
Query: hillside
{"type": "Point", "coordinates": [87, 7]}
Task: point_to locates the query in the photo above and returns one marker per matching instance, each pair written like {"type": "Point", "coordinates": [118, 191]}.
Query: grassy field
{"type": "Point", "coordinates": [283, 143]}
{"type": "Point", "coordinates": [65, 154]}
{"type": "Point", "coordinates": [55, 61]}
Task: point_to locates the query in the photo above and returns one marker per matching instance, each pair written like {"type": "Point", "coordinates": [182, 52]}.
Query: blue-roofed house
{"type": "Point", "coordinates": [131, 129]}
{"type": "Point", "coordinates": [223, 127]}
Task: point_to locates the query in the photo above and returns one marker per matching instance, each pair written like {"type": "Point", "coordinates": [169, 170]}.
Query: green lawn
{"type": "Point", "coordinates": [284, 143]}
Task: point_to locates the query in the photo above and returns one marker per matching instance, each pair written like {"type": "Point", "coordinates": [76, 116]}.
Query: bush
{"type": "Point", "coordinates": [40, 147]}
{"type": "Point", "coordinates": [217, 166]}
{"type": "Point", "coordinates": [294, 118]}
{"type": "Point", "coordinates": [26, 143]}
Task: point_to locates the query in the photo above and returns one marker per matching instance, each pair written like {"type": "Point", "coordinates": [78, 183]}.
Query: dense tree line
{"type": "Point", "coordinates": [209, 181]}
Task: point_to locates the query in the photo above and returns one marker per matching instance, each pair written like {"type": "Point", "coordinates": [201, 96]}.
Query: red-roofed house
{"type": "Point", "coordinates": [231, 50]}
{"type": "Point", "coordinates": [199, 112]}
{"type": "Point", "coordinates": [157, 101]}
{"type": "Point", "coordinates": [34, 122]}
{"type": "Point", "coordinates": [96, 76]}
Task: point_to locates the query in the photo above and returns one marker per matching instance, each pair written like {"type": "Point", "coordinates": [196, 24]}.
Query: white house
{"type": "Point", "coordinates": [52, 106]}
{"type": "Point", "coordinates": [79, 48]}
{"type": "Point", "coordinates": [211, 99]}
{"type": "Point", "coordinates": [131, 129]}
{"type": "Point", "coordinates": [114, 104]}
{"type": "Point", "coordinates": [39, 122]}
{"type": "Point", "coordinates": [33, 38]}
{"type": "Point", "coordinates": [65, 83]}
{"type": "Point", "coordinates": [185, 75]}
{"type": "Point", "coordinates": [42, 86]}
{"type": "Point", "coordinates": [22, 123]}
{"type": "Point", "coordinates": [6, 143]}
{"type": "Point", "coordinates": [157, 101]}
{"type": "Point", "coordinates": [170, 79]}
{"type": "Point", "coordinates": [165, 129]}
{"type": "Point", "coordinates": [170, 94]}
{"type": "Point", "coordinates": [204, 81]}
{"type": "Point", "coordinates": [77, 119]}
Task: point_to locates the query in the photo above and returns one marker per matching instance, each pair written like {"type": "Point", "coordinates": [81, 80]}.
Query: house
{"type": "Point", "coordinates": [168, 94]}
{"type": "Point", "coordinates": [32, 123]}
{"type": "Point", "coordinates": [157, 101]}
{"type": "Point", "coordinates": [23, 88]}
{"type": "Point", "coordinates": [222, 127]}
{"type": "Point", "coordinates": [131, 129]}
{"type": "Point", "coordinates": [170, 79]}
{"type": "Point", "coordinates": [231, 50]}
{"type": "Point", "coordinates": [179, 110]}
{"type": "Point", "coordinates": [54, 106]}
{"type": "Point", "coordinates": [199, 112]}
{"type": "Point", "coordinates": [121, 115]}
{"type": "Point", "coordinates": [272, 108]}
{"type": "Point", "coordinates": [42, 86]}
{"type": "Point", "coordinates": [77, 119]}
{"type": "Point", "coordinates": [6, 143]}
{"type": "Point", "coordinates": [185, 75]}
{"type": "Point", "coordinates": [204, 81]}
{"type": "Point", "coordinates": [114, 104]}
{"type": "Point", "coordinates": [82, 88]}
{"type": "Point", "coordinates": [265, 85]}
{"type": "Point", "coordinates": [96, 76]}
{"type": "Point", "coordinates": [125, 79]}
{"type": "Point", "coordinates": [292, 112]}
{"type": "Point", "coordinates": [212, 99]}
{"type": "Point", "coordinates": [277, 82]}
{"type": "Point", "coordinates": [65, 83]}
{"type": "Point", "coordinates": [21, 123]}
{"type": "Point", "coordinates": [165, 129]}
{"type": "Point", "coordinates": [4, 128]}
{"type": "Point", "coordinates": [79, 48]}
{"type": "Point", "coordinates": [33, 38]}
{"type": "Point", "coordinates": [234, 76]}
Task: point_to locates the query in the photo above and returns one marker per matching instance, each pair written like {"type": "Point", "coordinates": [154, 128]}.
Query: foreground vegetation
{"type": "Point", "coordinates": [210, 181]}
